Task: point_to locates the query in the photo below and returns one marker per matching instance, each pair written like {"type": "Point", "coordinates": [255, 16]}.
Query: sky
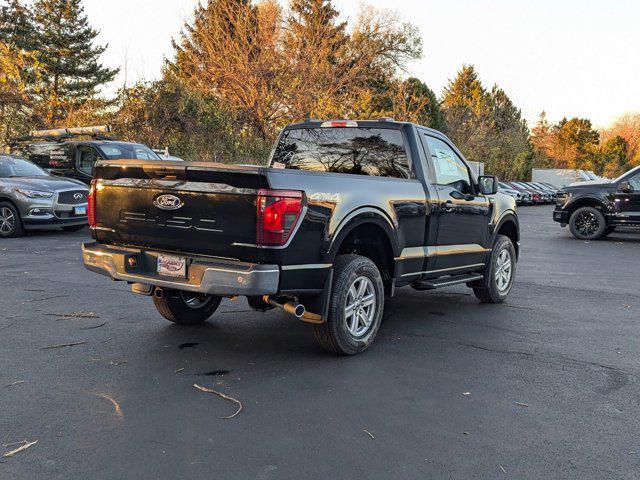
{"type": "Point", "coordinates": [566, 57]}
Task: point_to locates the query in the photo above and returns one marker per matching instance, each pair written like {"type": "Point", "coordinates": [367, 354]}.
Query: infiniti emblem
{"type": "Point", "coordinates": [167, 202]}
{"type": "Point", "coordinates": [78, 196]}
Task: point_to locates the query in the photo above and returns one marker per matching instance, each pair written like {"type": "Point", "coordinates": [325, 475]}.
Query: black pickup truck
{"type": "Point", "coordinates": [595, 208]}
{"type": "Point", "coordinates": [344, 213]}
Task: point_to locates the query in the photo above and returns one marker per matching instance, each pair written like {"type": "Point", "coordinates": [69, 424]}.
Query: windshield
{"type": "Point", "coordinates": [114, 151]}
{"type": "Point", "coordinates": [621, 177]}
{"type": "Point", "coordinates": [16, 167]}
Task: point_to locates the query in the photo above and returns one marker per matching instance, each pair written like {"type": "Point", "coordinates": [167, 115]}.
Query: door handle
{"type": "Point", "coordinates": [448, 206]}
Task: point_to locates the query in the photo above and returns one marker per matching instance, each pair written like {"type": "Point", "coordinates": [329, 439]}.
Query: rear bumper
{"type": "Point", "coordinates": [204, 275]}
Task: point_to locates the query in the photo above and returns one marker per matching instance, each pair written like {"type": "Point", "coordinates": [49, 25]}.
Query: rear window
{"type": "Point", "coordinates": [114, 151]}
{"type": "Point", "coordinates": [376, 152]}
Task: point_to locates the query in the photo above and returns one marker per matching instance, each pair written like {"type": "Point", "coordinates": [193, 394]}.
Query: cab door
{"type": "Point", "coordinates": [463, 214]}
{"type": "Point", "coordinates": [628, 202]}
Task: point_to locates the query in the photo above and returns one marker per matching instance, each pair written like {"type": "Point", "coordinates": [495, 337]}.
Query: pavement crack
{"type": "Point", "coordinates": [552, 357]}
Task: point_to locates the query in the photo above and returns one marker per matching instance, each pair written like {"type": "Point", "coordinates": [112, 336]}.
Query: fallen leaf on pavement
{"type": "Point", "coordinates": [64, 345]}
{"type": "Point", "coordinates": [24, 446]}
{"type": "Point", "coordinates": [222, 395]}
{"type": "Point", "coordinates": [74, 315]}
{"type": "Point", "coordinates": [369, 433]}
{"type": "Point", "coordinates": [17, 382]}
{"type": "Point", "coordinates": [521, 404]}
{"type": "Point", "coordinates": [116, 406]}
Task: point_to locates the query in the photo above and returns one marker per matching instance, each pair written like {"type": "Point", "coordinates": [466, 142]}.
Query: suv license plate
{"type": "Point", "coordinates": [79, 210]}
{"type": "Point", "coordinates": [172, 266]}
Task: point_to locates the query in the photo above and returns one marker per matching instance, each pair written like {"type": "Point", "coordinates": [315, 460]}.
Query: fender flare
{"type": "Point", "coordinates": [571, 205]}
{"type": "Point", "coordinates": [508, 216]}
{"type": "Point", "coordinates": [360, 217]}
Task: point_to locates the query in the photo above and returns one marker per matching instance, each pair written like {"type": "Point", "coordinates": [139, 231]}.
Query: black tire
{"type": "Point", "coordinates": [186, 308]}
{"type": "Point", "coordinates": [587, 223]}
{"type": "Point", "coordinates": [10, 221]}
{"type": "Point", "coordinates": [490, 290]}
{"type": "Point", "coordinates": [73, 228]}
{"type": "Point", "coordinates": [335, 335]}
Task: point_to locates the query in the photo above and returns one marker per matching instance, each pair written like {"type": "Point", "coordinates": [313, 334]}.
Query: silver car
{"type": "Point", "coordinates": [31, 198]}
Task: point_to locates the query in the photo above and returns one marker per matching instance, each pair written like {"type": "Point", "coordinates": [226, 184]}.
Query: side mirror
{"type": "Point", "coordinates": [488, 184]}
{"type": "Point", "coordinates": [625, 187]}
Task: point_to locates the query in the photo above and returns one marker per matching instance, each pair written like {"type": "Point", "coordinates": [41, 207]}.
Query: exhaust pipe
{"type": "Point", "coordinates": [296, 309]}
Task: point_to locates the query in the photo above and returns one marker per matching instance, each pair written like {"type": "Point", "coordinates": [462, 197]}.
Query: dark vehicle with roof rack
{"type": "Point", "coordinates": [344, 213]}
{"type": "Point", "coordinates": [72, 152]}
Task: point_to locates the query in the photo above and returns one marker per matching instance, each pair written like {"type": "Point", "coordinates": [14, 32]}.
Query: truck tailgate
{"type": "Point", "coordinates": [177, 207]}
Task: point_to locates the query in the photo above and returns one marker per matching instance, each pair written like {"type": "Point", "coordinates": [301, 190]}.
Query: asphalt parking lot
{"type": "Point", "coordinates": [543, 386]}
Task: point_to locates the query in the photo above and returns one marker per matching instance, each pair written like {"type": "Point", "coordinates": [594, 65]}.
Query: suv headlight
{"type": "Point", "coordinates": [35, 193]}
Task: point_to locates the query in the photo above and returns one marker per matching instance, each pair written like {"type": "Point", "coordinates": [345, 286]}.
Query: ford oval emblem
{"type": "Point", "coordinates": [168, 202]}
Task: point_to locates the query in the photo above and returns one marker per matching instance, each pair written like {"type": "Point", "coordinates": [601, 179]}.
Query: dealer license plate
{"type": "Point", "coordinates": [172, 266]}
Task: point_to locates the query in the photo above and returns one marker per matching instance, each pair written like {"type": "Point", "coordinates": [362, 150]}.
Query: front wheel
{"type": "Point", "coordinates": [10, 222]}
{"type": "Point", "coordinates": [499, 274]}
{"type": "Point", "coordinates": [355, 307]}
{"type": "Point", "coordinates": [186, 308]}
{"type": "Point", "coordinates": [587, 223]}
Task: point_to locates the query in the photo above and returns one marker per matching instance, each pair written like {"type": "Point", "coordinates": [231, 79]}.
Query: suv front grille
{"type": "Point", "coordinates": [73, 197]}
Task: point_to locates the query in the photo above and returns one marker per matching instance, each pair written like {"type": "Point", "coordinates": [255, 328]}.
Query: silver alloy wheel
{"type": "Point", "coordinates": [360, 307]}
{"type": "Point", "coordinates": [7, 220]}
{"type": "Point", "coordinates": [504, 269]}
{"type": "Point", "coordinates": [195, 300]}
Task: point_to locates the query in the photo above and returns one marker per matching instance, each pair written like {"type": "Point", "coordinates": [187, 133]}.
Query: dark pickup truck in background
{"type": "Point", "coordinates": [72, 152]}
{"type": "Point", "coordinates": [594, 209]}
{"type": "Point", "coordinates": [345, 213]}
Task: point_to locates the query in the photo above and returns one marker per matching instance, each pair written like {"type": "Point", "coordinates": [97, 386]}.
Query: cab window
{"type": "Point", "coordinates": [86, 159]}
{"type": "Point", "coordinates": [376, 152]}
{"type": "Point", "coordinates": [449, 168]}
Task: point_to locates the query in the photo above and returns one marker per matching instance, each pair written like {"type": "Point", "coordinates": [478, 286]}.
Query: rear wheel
{"type": "Point", "coordinates": [186, 308]}
{"type": "Point", "coordinates": [587, 223]}
{"type": "Point", "coordinates": [10, 221]}
{"type": "Point", "coordinates": [355, 307]}
{"type": "Point", "coordinates": [499, 273]}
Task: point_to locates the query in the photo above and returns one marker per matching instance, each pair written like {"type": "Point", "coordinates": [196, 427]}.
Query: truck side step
{"type": "Point", "coordinates": [447, 281]}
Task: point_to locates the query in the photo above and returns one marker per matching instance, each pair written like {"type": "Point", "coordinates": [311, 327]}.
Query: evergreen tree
{"type": "Point", "coordinates": [422, 98]}
{"type": "Point", "coordinates": [71, 60]}
{"type": "Point", "coordinates": [16, 26]}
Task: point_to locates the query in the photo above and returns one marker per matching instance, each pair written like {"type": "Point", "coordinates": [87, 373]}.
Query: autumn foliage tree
{"type": "Point", "coordinates": [271, 67]}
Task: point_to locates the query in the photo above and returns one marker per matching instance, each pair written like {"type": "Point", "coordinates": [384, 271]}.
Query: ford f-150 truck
{"type": "Point", "coordinates": [344, 213]}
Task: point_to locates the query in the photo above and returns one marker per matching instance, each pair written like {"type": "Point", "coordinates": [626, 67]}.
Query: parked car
{"type": "Point", "coordinates": [62, 152]}
{"type": "Point", "coordinates": [536, 196]}
{"type": "Point", "coordinates": [345, 212]}
{"type": "Point", "coordinates": [593, 209]}
{"type": "Point", "coordinates": [31, 198]}
{"type": "Point", "coordinates": [545, 194]}
{"type": "Point", "coordinates": [515, 194]}
{"type": "Point", "coordinates": [550, 189]}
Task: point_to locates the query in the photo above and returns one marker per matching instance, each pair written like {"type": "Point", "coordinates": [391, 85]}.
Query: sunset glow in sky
{"type": "Point", "coordinates": [568, 57]}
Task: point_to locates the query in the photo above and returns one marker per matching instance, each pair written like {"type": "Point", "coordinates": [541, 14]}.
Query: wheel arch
{"type": "Point", "coordinates": [369, 233]}
{"type": "Point", "coordinates": [586, 202]}
{"type": "Point", "coordinates": [509, 226]}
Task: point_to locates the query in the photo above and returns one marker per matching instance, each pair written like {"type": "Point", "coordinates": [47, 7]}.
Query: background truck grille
{"type": "Point", "coordinates": [73, 197]}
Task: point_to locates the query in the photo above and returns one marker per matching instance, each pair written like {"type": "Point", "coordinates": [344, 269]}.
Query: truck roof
{"type": "Point", "coordinates": [382, 122]}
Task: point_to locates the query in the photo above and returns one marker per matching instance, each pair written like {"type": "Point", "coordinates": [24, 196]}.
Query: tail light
{"type": "Point", "coordinates": [278, 214]}
{"type": "Point", "coordinates": [91, 204]}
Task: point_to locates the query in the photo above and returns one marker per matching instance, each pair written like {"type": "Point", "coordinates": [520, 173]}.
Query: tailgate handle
{"type": "Point", "coordinates": [170, 173]}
